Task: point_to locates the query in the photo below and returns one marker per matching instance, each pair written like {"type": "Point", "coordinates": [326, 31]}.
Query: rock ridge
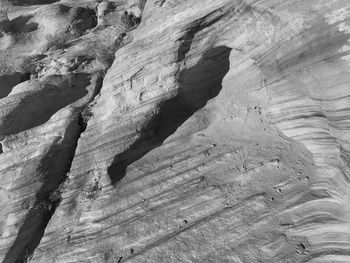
{"type": "Point", "coordinates": [175, 131]}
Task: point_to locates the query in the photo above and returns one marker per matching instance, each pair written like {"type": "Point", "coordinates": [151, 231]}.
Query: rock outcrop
{"type": "Point", "coordinates": [175, 131]}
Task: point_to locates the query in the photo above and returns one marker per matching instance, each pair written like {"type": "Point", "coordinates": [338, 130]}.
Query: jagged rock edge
{"type": "Point", "coordinates": [52, 199]}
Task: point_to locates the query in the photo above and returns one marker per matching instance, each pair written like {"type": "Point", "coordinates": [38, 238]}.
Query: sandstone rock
{"type": "Point", "coordinates": [175, 131]}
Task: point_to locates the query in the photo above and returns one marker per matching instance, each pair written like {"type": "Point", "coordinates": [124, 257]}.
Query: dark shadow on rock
{"type": "Point", "coordinates": [36, 109]}
{"type": "Point", "coordinates": [19, 25]}
{"type": "Point", "coordinates": [7, 82]}
{"type": "Point", "coordinates": [32, 2]}
{"type": "Point", "coordinates": [56, 164]}
{"type": "Point", "coordinates": [84, 19]}
{"type": "Point", "coordinates": [197, 85]}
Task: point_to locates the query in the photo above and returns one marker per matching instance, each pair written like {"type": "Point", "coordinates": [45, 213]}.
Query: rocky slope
{"type": "Point", "coordinates": [175, 131]}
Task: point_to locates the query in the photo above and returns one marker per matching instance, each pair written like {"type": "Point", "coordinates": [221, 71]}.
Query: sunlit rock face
{"type": "Point", "coordinates": [175, 131]}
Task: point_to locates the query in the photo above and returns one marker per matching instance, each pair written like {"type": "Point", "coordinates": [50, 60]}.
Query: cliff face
{"type": "Point", "coordinates": [175, 131]}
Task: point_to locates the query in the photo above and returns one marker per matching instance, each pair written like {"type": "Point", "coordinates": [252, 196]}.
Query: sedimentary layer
{"type": "Point", "coordinates": [176, 131]}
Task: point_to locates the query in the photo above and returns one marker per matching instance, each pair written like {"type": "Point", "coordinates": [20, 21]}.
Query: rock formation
{"type": "Point", "coordinates": [175, 131]}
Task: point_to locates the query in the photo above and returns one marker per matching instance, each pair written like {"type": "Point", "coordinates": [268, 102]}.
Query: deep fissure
{"type": "Point", "coordinates": [49, 196]}
{"type": "Point", "coordinates": [193, 94]}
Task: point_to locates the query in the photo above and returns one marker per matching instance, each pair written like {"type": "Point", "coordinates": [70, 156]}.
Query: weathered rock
{"type": "Point", "coordinates": [220, 132]}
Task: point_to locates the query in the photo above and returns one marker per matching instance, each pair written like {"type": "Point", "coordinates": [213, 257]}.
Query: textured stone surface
{"type": "Point", "coordinates": [212, 131]}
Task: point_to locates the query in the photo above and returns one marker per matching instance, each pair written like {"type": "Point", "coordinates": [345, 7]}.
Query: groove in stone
{"type": "Point", "coordinates": [193, 94]}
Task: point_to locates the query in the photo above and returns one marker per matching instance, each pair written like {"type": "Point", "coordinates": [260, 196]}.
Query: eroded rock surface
{"type": "Point", "coordinates": [175, 131]}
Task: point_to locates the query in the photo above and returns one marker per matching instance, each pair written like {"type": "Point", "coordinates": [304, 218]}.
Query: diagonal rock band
{"type": "Point", "coordinates": [174, 131]}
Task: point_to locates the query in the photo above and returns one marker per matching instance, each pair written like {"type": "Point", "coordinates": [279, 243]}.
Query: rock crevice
{"type": "Point", "coordinates": [207, 131]}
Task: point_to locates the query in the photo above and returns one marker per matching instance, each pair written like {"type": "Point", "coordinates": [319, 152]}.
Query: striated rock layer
{"type": "Point", "coordinates": [220, 132]}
